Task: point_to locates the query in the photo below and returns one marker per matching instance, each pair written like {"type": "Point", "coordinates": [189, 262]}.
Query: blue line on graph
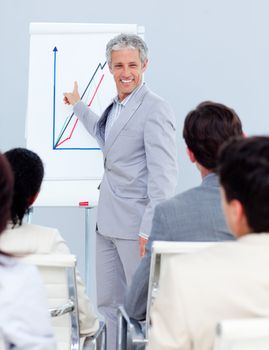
{"type": "Point", "coordinates": [54, 94]}
{"type": "Point", "coordinates": [76, 148]}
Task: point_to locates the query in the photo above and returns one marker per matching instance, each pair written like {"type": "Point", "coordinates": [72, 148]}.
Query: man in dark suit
{"type": "Point", "coordinates": [194, 215]}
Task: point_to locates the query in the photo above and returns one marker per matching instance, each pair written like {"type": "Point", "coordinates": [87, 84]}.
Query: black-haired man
{"type": "Point", "coordinates": [194, 215]}
{"type": "Point", "coordinates": [230, 280]}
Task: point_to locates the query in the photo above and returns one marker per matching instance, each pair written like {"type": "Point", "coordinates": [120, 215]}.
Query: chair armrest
{"type": "Point", "coordinates": [101, 329]}
{"type": "Point", "coordinates": [243, 328]}
{"type": "Point", "coordinates": [249, 333]}
{"type": "Point", "coordinates": [130, 332]}
{"type": "Point", "coordinates": [123, 313]}
{"type": "Point", "coordinates": [98, 340]}
{"type": "Point", "coordinates": [62, 309]}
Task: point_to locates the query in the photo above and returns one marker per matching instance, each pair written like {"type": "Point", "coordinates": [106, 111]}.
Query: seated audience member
{"type": "Point", "coordinates": [24, 319]}
{"type": "Point", "coordinates": [21, 238]}
{"type": "Point", "coordinates": [226, 281]}
{"type": "Point", "coordinates": [194, 215]}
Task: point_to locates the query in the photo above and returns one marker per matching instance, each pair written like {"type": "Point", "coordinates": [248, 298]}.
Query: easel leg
{"type": "Point", "coordinates": [87, 247]}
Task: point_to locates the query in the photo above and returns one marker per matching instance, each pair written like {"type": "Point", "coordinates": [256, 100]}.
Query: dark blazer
{"type": "Point", "coordinates": [194, 215]}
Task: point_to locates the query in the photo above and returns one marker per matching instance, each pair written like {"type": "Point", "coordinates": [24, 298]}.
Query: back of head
{"type": "Point", "coordinates": [243, 167]}
{"type": "Point", "coordinates": [28, 174]}
{"type": "Point", "coordinates": [206, 128]}
{"type": "Point", "coordinates": [127, 41]}
{"type": "Point", "coordinates": [6, 188]}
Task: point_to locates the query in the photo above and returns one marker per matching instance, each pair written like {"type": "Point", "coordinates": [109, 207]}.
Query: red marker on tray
{"type": "Point", "coordinates": [84, 204]}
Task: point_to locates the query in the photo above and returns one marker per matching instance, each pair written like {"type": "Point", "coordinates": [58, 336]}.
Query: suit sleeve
{"type": "Point", "coordinates": [88, 320]}
{"type": "Point", "coordinates": [88, 118]}
{"type": "Point", "coordinates": [137, 295]}
{"type": "Point", "coordinates": [160, 149]}
{"type": "Point", "coordinates": [169, 329]}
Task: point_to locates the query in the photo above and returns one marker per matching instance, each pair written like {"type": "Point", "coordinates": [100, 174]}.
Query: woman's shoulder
{"type": "Point", "coordinates": [15, 273]}
{"type": "Point", "coordinates": [29, 239]}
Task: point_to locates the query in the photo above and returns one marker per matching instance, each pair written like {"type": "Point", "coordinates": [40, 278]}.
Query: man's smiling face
{"type": "Point", "coordinates": [127, 70]}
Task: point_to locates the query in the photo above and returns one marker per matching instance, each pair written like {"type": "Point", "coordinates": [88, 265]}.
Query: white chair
{"type": "Point", "coordinates": [133, 335]}
{"type": "Point", "coordinates": [242, 334]}
{"type": "Point", "coordinates": [58, 274]}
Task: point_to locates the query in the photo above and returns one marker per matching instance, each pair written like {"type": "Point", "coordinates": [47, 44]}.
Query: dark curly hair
{"type": "Point", "coordinates": [206, 128]}
{"type": "Point", "coordinates": [243, 168]}
{"type": "Point", "coordinates": [6, 188]}
{"type": "Point", "coordinates": [28, 174]}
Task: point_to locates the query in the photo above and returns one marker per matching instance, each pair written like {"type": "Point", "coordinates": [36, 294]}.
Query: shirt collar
{"type": "Point", "coordinates": [127, 98]}
{"type": "Point", "coordinates": [255, 238]}
{"type": "Point", "coordinates": [211, 180]}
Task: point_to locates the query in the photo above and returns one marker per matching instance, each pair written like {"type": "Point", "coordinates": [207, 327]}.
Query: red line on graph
{"type": "Point", "coordinates": [73, 129]}
{"type": "Point", "coordinates": [96, 90]}
{"type": "Point", "coordinates": [69, 137]}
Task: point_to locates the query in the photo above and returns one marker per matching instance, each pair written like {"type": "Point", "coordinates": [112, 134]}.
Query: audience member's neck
{"type": "Point", "coordinates": [203, 171]}
{"type": "Point", "coordinates": [244, 230]}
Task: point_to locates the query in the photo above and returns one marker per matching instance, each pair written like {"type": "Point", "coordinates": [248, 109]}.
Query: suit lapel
{"type": "Point", "coordinates": [101, 125]}
{"type": "Point", "coordinates": [124, 117]}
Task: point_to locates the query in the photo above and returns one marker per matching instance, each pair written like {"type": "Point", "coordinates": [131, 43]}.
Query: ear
{"type": "Point", "coordinates": [191, 155]}
{"type": "Point", "coordinates": [32, 199]}
{"type": "Point", "coordinates": [145, 65]}
{"type": "Point", "coordinates": [238, 218]}
{"type": "Point", "coordinates": [110, 68]}
{"type": "Point", "coordinates": [236, 210]}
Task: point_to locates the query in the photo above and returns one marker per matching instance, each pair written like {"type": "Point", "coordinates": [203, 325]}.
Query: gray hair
{"type": "Point", "coordinates": [127, 41]}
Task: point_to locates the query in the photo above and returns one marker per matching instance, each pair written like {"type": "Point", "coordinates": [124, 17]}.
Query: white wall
{"type": "Point", "coordinates": [199, 49]}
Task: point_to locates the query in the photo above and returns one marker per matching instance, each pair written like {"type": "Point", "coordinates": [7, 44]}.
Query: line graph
{"type": "Point", "coordinates": [59, 54]}
{"type": "Point", "coordinates": [59, 142]}
{"type": "Point", "coordinates": [70, 124]}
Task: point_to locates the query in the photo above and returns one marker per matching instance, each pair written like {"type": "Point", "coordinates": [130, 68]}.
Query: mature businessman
{"type": "Point", "coordinates": [194, 215]}
{"type": "Point", "coordinates": [137, 136]}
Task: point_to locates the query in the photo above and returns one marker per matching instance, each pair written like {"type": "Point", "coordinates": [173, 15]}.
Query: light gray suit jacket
{"type": "Point", "coordinates": [194, 215]}
{"type": "Point", "coordinates": [139, 163]}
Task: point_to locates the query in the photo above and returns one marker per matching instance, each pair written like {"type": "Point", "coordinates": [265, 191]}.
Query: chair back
{"type": "Point", "coordinates": [242, 334]}
{"type": "Point", "coordinates": [58, 274]}
{"type": "Point", "coordinates": [131, 334]}
{"type": "Point", "coordinates": [161, 250]}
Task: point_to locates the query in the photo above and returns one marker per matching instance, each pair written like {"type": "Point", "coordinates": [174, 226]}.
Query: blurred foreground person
{"type": "Point", "coordinates": [24, 317]}
{"type": "Point", "coordinates": [227, 281]}
{"type": "Point", "coordinates": [22, 238]}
